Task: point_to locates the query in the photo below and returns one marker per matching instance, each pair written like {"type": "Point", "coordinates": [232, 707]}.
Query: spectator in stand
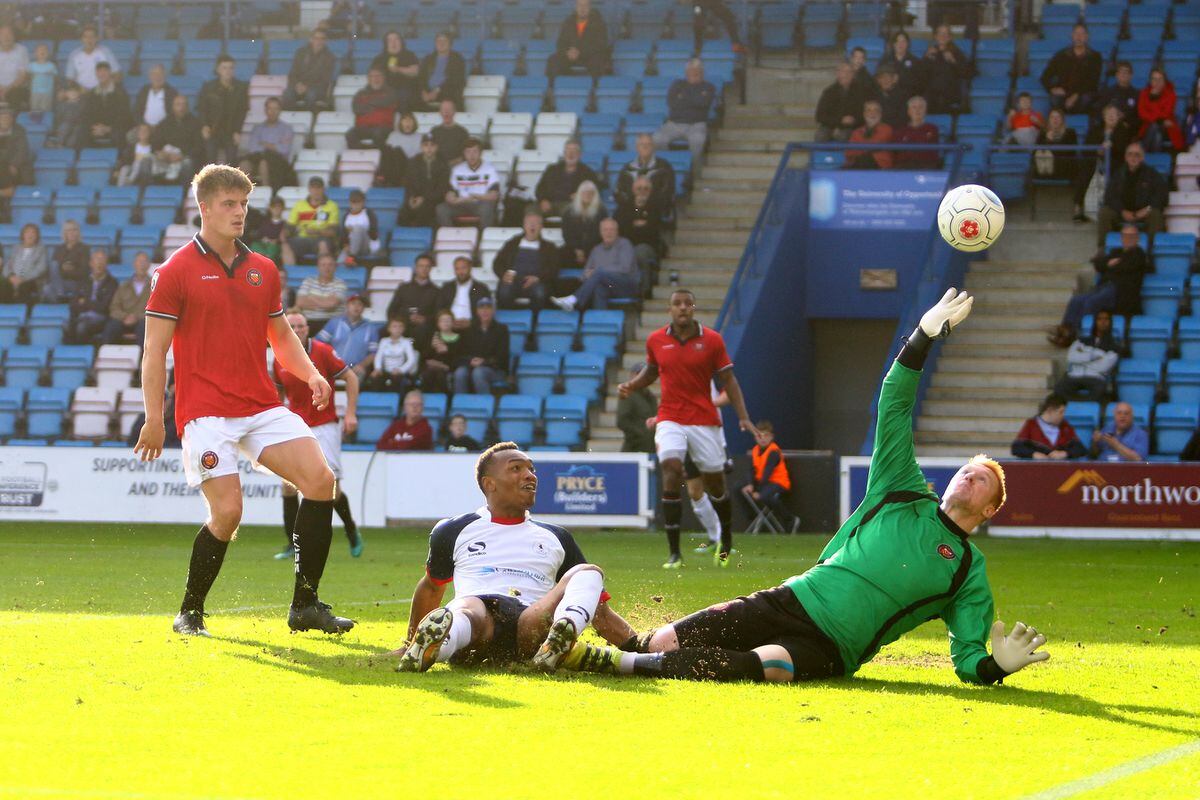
{"type": "Point", "coordinates": [891, 99]}
{"type": "Point", "coordinates": [1110, 135]}
{"type": "Point", "coordinates": [689, 103]}
{"type": "Point", "coordinates": [416, 302]}
{"type": "Point", "coordinates": [451, 137]}
{"type": "Point", "coordinates": [769, 479]}
{"type": "Point", "coordinates": [135, 164]}
{"type": "Point", "coordinates": [1090, 362]}
{"type": "Point", "coordinates": [917, 131]}
{"type": "Point", "coordinates": [287, 295]}
{"type": "Point", "coordinates": [43, 80]}
{"type": "Point", "coordinates": [178, 144]}
{"type": "Point", "coordinates": [1025, 123]}
{"type": "Point", "coordinates": [863, 82]}
{"type": "Point", "coordinates": [636, 416]}
{"type": "Point", "coordinates": [582, 47]}
{"type": "Point", "coordinates": [1072, 77]}
{"type": "Point", "coordinates": [25, 269]}
{"type": "Point", "coordinates": [947, 67]}
{"type": "Point", "coordinates": [721, 11]}
{"type": "Point", "coordinates": [68, 265]}
{"type": "Point", "coordinates": [463, 295]}
{"type": "Point", "coordinates": [400, 65]}
{"type": "Point", "coordinates": [1192, 126]}
{"type": "Point", "coordinates": [526, 265]}
{"type": "Point", "coordinates": [323, 296]}
{"type": "Point", "coordinates": [395, 363]}
{"type": "Point", "coordinates": [839, 111]}
{"type": "Point", "coordinates": [127, 311]}
{"type": "Point", "coordinates": [105, 116]}
{"type": "Point", "coordinates": [1058, 164]}
{"type": "Point", "coordinates": [1136, 194]}
{"type": "Point", "coordinates": [426, 182]}
{"type": "Point", "coordinates": [558, 184]}
{"type": "Point", "coordinates": [474, 189]}
{"type": "Point", "coordinates": [352, 336]}
{"type": "Point", "coordinates": [16, 159]}
{"type": "Point", "coordinates": [310, 80]}
{"type": "Point", "coordinates": [646, 164]}
{"type": "Point", "coordinates": [93, 296]}
{"type": "Point", "coordinates": [640, 221]}
{"type": "Point", "coordinates": [82, 63]}
{"type": "Point", "coordinates": [14, 69]}
{"type": "Point", "coordinates": [1122, 94]}
{"type": "Point", "coordinates": [153, 101]}
{"type": "Point", "coordinates": [457, 440]}
{"type": "Point", "coordinates": [611, 273]}
{"type": "Point", "coordinates": [375, 107]}
{"type": "Point", "coordinates": [483, 357]}
{"type": "Point", "coordinates": [271, 238]}
{"type": "Point", "coordinates": [411, 431]}
{"type": "Point", "coordinates": [1049, 435]}
{"type": "Point", "coordinates": [360, 231]}
{"type": "Point", "coordinates": [441, 354]}
{"type": "Point", "coordinates": [873, 131]}
{"type": "Point", "coordinates": [581, 225]}
{"type": "Point", "coordinates": [1121, 439]}
{"type": "Point", "coordinates": [314, 223]}
{"type": "Point", "coordinates": [222, 108]}
{"type": "Point", "coordinates": [402, 144]}
{"type": "Point", "coordinates": [1159, 129]}
{"type": "Point", "coordinates": [443, 75]}
{"type": "Point", "coordinates": [1119, 275]}
{"type": "Point", "coordinates": [910, 70]}
{"type": "Point", "coordinates": [267, 148]}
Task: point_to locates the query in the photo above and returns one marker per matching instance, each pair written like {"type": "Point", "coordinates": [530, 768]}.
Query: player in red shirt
{"type": "Point", "coordinates": [217, 304]}
{"type": "Point", "coordinates": [324, 425]}
{"type": "Point", "coordinates": [689, 358]}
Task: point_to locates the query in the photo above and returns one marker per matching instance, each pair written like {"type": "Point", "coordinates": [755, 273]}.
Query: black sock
{"type": "Point", "coordinates": [724, 514]}
{"type": "Point", "coordinates": [208, 553]}
{"type": "Point", "coordinates": [701, 663]}
{"type": "Point", "coordinates": [342, 506]}
{"type": "Point", "coordinates": [314, 531]}
{"type": "Point", "coordinates": [291, 507]}
{"type": "Point", "coordinates": [672, 513]}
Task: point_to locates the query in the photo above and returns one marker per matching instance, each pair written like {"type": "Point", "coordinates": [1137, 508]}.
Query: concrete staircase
{"type": "Point", "coordinates": [728, 192]}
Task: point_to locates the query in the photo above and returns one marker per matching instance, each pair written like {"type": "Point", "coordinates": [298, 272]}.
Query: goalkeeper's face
{"type": "Point", "coordinates": [975, 489]}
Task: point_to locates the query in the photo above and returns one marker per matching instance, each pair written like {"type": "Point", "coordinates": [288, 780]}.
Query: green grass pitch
{"type": "Point", "coordinates": [99, 699]}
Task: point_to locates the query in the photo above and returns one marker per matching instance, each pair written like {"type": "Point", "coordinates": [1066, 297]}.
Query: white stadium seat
{"type": "Point", "coordinates": [92, 409]}
{"type": "Point", "coordinates": [130, 407]}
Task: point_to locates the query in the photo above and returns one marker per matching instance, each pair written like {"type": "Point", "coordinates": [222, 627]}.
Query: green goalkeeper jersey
{"type": "Point", "coordinates": [899, 561]}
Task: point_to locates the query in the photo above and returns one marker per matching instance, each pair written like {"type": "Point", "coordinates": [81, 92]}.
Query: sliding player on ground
{"type": "Point", "coordinates": [218, 305]}
{"type": "Point", "coordinates": [901, 559]}
{"type": "Point", "coordinates": [523, 588]}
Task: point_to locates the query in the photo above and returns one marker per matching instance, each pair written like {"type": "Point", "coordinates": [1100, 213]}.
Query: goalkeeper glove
{"type": "Point", "coordinates": [1018, 649]}
{"type": "Point", "coordinates": [950, 310]}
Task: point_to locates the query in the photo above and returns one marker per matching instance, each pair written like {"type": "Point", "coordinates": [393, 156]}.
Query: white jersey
{"type": "Point", "coordinates": [468, 182]}
{"type": "Point", "coordinates": [486, 556]}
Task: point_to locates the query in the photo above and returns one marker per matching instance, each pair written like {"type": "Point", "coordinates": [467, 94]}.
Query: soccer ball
{"type": "Point", "coordinates": [970, 218]}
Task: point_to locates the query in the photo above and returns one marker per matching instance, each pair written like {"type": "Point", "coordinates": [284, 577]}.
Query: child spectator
{"type": "Point", "coordinates": [441, 355]}
{"type": "Point", "coordinates": [1025, 122]}
{"type": "Point", "coordinates": [396, 361]}
{"type": "Point", "coordinates": [360, 230]}
{"type": "Point", "coordinates": [43, 73]}
{"type": "Point", "coordinates": [271, 237]}
{"type": "Point", "coordinates": [457, 440]}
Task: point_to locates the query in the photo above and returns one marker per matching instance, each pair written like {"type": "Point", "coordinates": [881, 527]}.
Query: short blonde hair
{"type": "Point", "coordinates": [220, 178]}
{"type": "Point", "coordinates": [998, 471]}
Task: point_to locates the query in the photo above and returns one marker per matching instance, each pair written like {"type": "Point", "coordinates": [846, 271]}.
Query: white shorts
{"type": "Point", "coordinates": [704, 443]}
{"type": "Point", "coordinates": [211, 444]}
{"type": "Point", "coordinates": [329, 436]}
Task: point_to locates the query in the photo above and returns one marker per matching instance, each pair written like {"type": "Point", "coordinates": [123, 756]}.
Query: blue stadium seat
{"type": "Point", "coordinates": [435, 410]}
{"type": "Point", "coordinates": [1173, 252]}
{"type": "Point", "coordinates": [99, 236]}
{"type": "Point", "coordinates": [28, 442]}
{"type": "Point", "coordinates": [23, 364]}
{"type": "Point", "coordinates": [777, 27]}
{"type": "Point", "coordinates": [556, 331]}
{"type": "Point", "coordinates": [537, 373]}
{"type": "Point", "coordinates": [1148, 21]}
{"type": "Point", "coordinates": [565, 417]}
{"type": "Point", "coordinates": [1183, 381]}
{"type": "Point", "coordinates": [29, 204]}
{"type": "Point", "coordinates": [1174, 424]}
{"type": "Point", "coordinates": [1137, 379]}
{"type": "Point", "coordinates": [516, 417]}
{"type": "Point", "coordinates": [44, 410]}
{"type": "Point", "coordinates": [46, 324]}
{"type": "Point", "coordinates": [614, 93]}
{"type": "Point", "coordinates": [478, 409]}
{"type": "Point", "coordinates": [1161, 295]}
{"type": "Point", "coordinates": [520, 323]}
{"type": "Point", "coordinates": [1186, 23]}
{"type": "Point", "coordinates": [160, 205]}
{"type": "Point", "coordinates": [572, 93]}
{"type": "Point", "coordinates": [73, 202]}
{"type": "Point", "coordinates": [994, 57]}
{"type": "Point", "coordinates": [527, 93]}
{"type": "Point", "coordinates": [12, 319]}
{"type": "Point", "coordinates": [601, 331]}
{"type": "Point", "coordinates": [864, 18]}
{"type": "Point", "coordinates": [517, 23]}
{"type": "Point", "coordinates": [821, 24]}
{"type": "Point", "coordinates": [598, 132]}
{"type": "Point", "coordinates": [1149, 336]}
{"type": "Point", "coordinates": [500, 57]}
{"type": "Point", "coordinates": [583, 374]}
{"type": "Point", "coordinates": [95, 166]}
{"type": "Point", "coordinates": [53, 167]}
{"type": "Point", "coordinates": [376, 410]}
{"type": "Point", "coordinates": [1189, 335]}
{"type": "Point", "coordinates": [637, 124]}
{"type": "Point", "coordinates": [12, 399]}
{"type": "Point", "coordinates": [1084, 417]}
{"type": "Point", "coordinates": [70, 364]}
{"type": "Point", "coordinates": [114, 204]}
{"type": "Point", "coordinates": [631, 57]}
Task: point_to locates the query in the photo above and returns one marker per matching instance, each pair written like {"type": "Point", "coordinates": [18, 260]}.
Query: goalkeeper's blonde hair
{"type": "Point", "coordinates": [998, 471]}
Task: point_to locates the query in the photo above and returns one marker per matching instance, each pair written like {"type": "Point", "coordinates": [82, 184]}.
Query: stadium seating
{"type": "Point", "coordinates": [376, 410]}
{"type": "Point", "coordinates": [565, 419]}
{"type": "Point", "coordinates": [92, 408]}
{"type": "Point", "coordinates": [537, 373]}
{"type": "Point", "coordinates": [45, 408]}
{"type": "Point", "coordinates": [516, 417]}
{"type": "Point", "coordinates": [478, 410]}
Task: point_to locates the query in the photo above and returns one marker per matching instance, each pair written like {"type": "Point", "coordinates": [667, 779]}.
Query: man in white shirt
{"type": "Point", "coordinates": [81, 64]}
{"type": "Point", "coordinates": [14, 70]}
{"type": "Point", "coordinates": [462, 294]}
{"type": "Point", "coordinates": [154, 99]}
{"type": "Point", "coordinates": [474, 189]}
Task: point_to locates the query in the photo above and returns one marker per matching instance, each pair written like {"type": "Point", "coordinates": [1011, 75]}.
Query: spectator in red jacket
{"type": "Point", "coordinates": [1048, 435]}
{"type": "Point", "coordinates": [375, 106]}
{"type": "Point", "coordinates": [410, 432]}
{"type": "Point", "coordinates": [1156, 110]}
{"type": "Point", "coordinates": [875, 131]}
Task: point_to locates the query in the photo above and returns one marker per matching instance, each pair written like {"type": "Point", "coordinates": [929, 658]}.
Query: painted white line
{"type": "Point", "coordinates": [1118, 772]}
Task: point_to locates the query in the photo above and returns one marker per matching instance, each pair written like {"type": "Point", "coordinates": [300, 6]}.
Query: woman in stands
{"type": "Point", "coordinates": [1059, 164]}
{"type": "Point", "coordinates": [1156, 109]}
{"type": "Point", "coordinates": [25, 268]}
{"type": "Point", "coordinates": [581, 225]}
{"type": "Point", "coordinates": [401, 66]}
{"type": "Point", "coordinates": [910, 71]}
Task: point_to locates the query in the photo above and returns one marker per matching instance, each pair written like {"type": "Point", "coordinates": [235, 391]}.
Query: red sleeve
{"type": "Point", "coordinates": [166, 295]}
{"type": "Point", "coordinates": [333, 364]}
{"type": "Point", "coordinates": [650, 351]}
{"type": "Point", "coordinates": [272, 279]}
{"type": "Point", "coordinates": [720, 357]}
{"type": "Point", "coordinates": [385, 439]}
{"type": "Point", "coordinates": [423, 437]}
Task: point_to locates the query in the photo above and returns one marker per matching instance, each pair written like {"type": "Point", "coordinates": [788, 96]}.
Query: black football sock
{"type": "Point", "coordinates": [314, 531]}
{"type": "Point", "coordinates": [672, 514]}
{"type": "Point", "coordinates": [208, 553]}
{"type": "Point", "coordinates": [342, 506]}
{"type": "Point", "coordinates": [700, 663]}
{"type": "Point", "coordinates": [291, 507]}
{"type": "Point", "coordinates": [725, 515]}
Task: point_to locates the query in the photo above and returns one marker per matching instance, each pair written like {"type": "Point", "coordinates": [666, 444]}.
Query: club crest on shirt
{"type": "Point", "coordinates": [945, 552]}
{"type": "Point", "coordinates": [209, 459]}
{"type": "Point", "coordinates": [539, 547]}
{"type": "Point", "coordinates": [698, 346]}
{"type": "Point", "coordinates": [254, 278]}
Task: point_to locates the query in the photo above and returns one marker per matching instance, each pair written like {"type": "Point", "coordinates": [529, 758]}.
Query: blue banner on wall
{"type": "Point", "coordinates": [938, 477]}
{"type": "Point", "coordinates": [875, 200]}
{"type": "Point", "coordinates": [587, 487]}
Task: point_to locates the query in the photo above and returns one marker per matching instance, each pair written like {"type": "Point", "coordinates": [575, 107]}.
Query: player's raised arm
{"type": "Point", "coordinates": [159, 332]}
{"type": "Point", "coordinates": [290, 353]}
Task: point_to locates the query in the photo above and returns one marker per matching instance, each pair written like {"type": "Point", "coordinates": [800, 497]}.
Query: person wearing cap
{"type": "Point", "coordinates": [463, 294]}
{"type": "Point", "coordinates": [314, 222]}
{"type": "Point", "coordinates": [106, 114]}
{"type": "Point", "coordinates": [474, 189]}
{"type": "Point", "coordinates": [426, 181]}
{"type": "Point", "coordinates": [483, 354]}
{"type": "Point", "coordinates": [891, 98]}
{"type": "Point", "coordinates": [352, 336]}
{"type": "Point", "coordinates": [360, 231]}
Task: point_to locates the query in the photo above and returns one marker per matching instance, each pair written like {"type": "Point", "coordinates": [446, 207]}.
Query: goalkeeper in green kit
{"type": "Point", "coordinates": [901, 559]}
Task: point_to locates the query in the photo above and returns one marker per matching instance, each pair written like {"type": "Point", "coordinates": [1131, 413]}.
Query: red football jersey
{"type": "Point", "coordinates": [686, 369]}
{"type": "Point", "coordinates": [221, 313]}
{"type": "Point", "coordinates": [299, 396]}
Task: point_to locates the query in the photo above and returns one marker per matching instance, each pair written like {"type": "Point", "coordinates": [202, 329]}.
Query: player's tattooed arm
{"type": "Point", "coordinates": [647, 376]}
{"type": "Point", "coordinates": [728, 383]}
